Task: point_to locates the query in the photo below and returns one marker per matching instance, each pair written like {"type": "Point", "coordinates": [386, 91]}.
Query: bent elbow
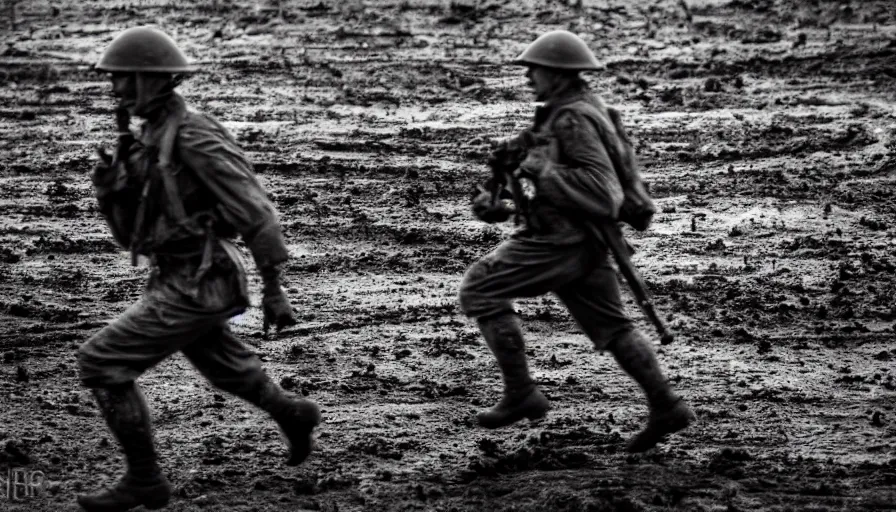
{"type": "Point", "coordinates": [616, 198]}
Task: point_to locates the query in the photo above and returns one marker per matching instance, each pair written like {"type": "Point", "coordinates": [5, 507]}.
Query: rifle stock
{"type": "Point", "coordinates": [610, 234]}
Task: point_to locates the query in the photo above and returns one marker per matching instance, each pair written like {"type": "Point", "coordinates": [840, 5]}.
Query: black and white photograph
{"type": "Point", "coordinates": [448, 255]}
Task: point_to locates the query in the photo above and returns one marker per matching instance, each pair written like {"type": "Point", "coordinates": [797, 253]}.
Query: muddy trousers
{"type": "Point", "coordinates": [636, 356]}
{"type": "Point", "coordinates": [580, 275]}
{"type": "Point", "coordinates": [147, 333]}
{"type": "Point", "coordinates": [163, 322]}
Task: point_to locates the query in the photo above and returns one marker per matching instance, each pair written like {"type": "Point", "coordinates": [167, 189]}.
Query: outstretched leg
{"type": "Point", "coordinates": [124, 408]}
{"type": "Point", "coordinates": [668, 411]}
{"type": "Point", "coordinates": [230, 366]}
{"type": "Point", "coordinates": [521, 399]}
{"type": "Point", "coordinates": [596, 305]}
{"type": "Point", "coordinates": [296, 417]}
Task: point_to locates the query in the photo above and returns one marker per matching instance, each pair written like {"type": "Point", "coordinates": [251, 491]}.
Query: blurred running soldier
{"type": "Point", "coordinates": [575, 165]}
{"type": "Point", "coordinates": [177, 194]}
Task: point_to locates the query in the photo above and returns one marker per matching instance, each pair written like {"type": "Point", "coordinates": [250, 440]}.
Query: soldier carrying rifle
{"type": "Point", "coordinates": [178, 194]}
{"type": "Point", "coordinates": [573, 177]}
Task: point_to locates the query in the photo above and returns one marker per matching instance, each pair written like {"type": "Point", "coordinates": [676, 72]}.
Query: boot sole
{"type": "Point", "coordinates": [151, 503]}
{"type": "Point", "coordinates": [300, 451]}
{"type": "Point", "coordinates": [533, 415]}
{"type": "Point", "coordinates": [657, 435]}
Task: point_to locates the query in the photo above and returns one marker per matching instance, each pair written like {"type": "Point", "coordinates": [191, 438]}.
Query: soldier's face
{"type": "Point", "coordinates": [541, 80]}
{"type": "Point", "coordinates": [124, 87]}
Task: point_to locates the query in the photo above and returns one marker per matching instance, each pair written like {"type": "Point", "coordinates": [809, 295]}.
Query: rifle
{"type": "Point", "coordinates": [506, 161]}
{"type": "Point", "coordinates": [511, 154]}
{"type": "Point", "coordinates": [612, 237]}
{"type": "Point", "coordinates": [125, 140]}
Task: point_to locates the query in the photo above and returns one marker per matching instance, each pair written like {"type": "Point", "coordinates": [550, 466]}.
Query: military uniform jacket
{"type": "Point", "coordinates": [576, 181]}
{"type": "Point", "coordinates": [184, 189]}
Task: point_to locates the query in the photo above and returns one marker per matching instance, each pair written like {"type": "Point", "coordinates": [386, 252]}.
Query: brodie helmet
{"type": "Point", "coordinates": [559, 49]}
{"type": "Point", "coordinates": [144, 49]}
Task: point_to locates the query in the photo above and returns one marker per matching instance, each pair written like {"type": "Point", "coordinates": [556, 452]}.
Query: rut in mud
{"type": "Point", "coordinates": [767, 131]}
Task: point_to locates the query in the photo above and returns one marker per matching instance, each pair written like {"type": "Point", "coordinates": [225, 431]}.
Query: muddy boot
{"type": "Point", "coordinates": [143, 484]}
{"type": "Point", "coordinates": [521, 398]}
{"type": "Point", "coordinates": [668, 411]}
{"type": "Point", "coordinates": [296, 417]}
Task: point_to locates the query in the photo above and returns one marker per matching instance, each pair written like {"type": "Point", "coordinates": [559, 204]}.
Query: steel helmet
{"type": "Point", "coordinates": [144, 49]}
{"type": "Point", "coordinates": [559, 49]}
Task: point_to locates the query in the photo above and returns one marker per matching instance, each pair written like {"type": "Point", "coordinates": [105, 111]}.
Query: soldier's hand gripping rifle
{"type": "Point", "coordinates": [504, 162]}
{"type": "Point", "coordinates": [125, 140]}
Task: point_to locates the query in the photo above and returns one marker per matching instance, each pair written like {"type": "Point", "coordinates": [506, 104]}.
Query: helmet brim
{"type": "Point", "coordinates": [151, 69]}
{"type": "Point", "coordinates": [529, 63]}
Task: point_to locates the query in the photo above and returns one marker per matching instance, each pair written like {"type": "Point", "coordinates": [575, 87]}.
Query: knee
{"type": "Point", "coordinates": [476, 304]}
{"type": "Point", "coordinates": [467, 295]}
{"type": "Point", "coordinates": [624, 339]}
{"type": "Point", "coordinates": [475, 299]}
{"type": "Point", "coordinates": [100, 365]}
{"type": "Point", "coordinates": [90, 364]}
{"type": "Point", "coordinates": [611, 337]}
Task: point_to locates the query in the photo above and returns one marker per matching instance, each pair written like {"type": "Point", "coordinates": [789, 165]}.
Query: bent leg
{"type": "Point", "coordinates": [110, 361]}
{"type": "Point", "coordinates": [517, 268]}
{"type": "Point", "coordinates": [145, 334]}
{"type": "Point", "coordinates": [226, 362]}
{"type": "Point", "coordinates": [668, 412]}
{"type": "Point", "coordinates": [596, 305]}
{"type": "Point", "coordinates": [229, 365]}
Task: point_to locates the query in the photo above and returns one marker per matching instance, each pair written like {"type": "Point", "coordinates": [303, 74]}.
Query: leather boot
{"type": "Point", "coordinates": [522, 399]}
{"type": "Point", "coordinates": [296, 417]}
{"type": "Point", "coordinates": [127, 415]}
{"type": "Point", "coordinates": [668, 412]}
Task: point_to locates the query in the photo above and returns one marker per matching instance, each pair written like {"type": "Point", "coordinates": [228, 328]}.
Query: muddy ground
{"type": "Point", "coordinates": [767, 131]}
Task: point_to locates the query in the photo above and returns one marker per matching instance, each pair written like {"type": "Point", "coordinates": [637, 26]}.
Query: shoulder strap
{"type": "Point", "coordinates": [173, 204]}
{"type": "Point", "coordinates": [637, 207]}
{"type": "Point", "coordinates": [166, 143]}
{"type": "Point", "coordinates": [604, 125]}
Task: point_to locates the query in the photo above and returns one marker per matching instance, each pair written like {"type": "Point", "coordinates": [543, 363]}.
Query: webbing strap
{"type": "Point", "coordinates": [603, 124]}
{"type": "Point", "coordinates": [173, 203]}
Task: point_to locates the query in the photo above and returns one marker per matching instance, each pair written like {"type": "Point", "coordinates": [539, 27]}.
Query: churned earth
{"type": "Point", "coordinates": [767, 131]}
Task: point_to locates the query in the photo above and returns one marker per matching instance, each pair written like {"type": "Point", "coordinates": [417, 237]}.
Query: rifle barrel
{"type": "Point", "coordinates": [613, 238]}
